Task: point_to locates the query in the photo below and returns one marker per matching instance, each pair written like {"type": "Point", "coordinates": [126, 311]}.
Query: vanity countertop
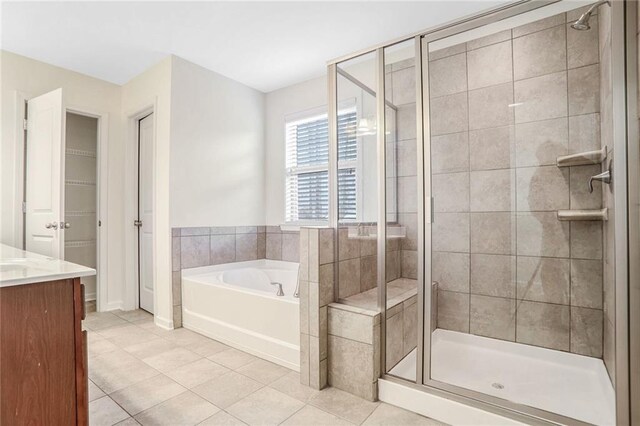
{"type": "Point", "coordinates": [19, 267]}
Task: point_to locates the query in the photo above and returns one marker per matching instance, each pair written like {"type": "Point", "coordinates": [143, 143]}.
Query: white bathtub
{"type": "Point", "coordinates": [236, 304]}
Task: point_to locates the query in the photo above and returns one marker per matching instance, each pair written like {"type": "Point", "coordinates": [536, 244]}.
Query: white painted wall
{"type": "Point", "coordinates": [304, 96]}
{"type": "Point", "coordinates": [217, 149]}
{"type": "Point", "coordinates": [33, 78]}
{"type": "Point", "coordinates": [150, 90]}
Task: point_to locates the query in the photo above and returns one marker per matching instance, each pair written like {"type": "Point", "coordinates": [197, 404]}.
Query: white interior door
{"type": "Point", "coordinates": [145, 212]}
{"type": "Point", "coordinates": [44, 175]}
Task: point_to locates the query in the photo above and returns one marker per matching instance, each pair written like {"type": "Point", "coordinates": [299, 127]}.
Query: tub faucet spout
{"type": "Point", "coordinates": [280, 292]}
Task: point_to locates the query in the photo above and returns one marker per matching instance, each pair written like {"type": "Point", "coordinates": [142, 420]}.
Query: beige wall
{"type": "Point", "coordinates": [32, 78]}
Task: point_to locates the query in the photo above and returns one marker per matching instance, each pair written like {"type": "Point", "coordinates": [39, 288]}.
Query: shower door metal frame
{"type": "Point", "coordinates": [424, 201]}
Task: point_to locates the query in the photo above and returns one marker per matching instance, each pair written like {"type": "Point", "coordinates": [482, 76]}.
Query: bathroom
{"type": "Point", "coordinates": [438, 224]}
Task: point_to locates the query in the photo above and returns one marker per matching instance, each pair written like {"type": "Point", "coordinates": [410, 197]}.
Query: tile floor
{"type": "Point", "coordinates": [142, 374]}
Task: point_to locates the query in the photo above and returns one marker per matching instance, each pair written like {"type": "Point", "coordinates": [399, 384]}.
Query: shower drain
{"type": "Point", "coordinates": [498, 385]}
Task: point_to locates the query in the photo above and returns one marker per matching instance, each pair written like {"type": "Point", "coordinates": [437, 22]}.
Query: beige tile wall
{"type": "Point", "coordinates": [204, 246]}
{"type": "Point", "coordinates": [316, 293]}
{"type": "Point", "coordinates": [502, 109]}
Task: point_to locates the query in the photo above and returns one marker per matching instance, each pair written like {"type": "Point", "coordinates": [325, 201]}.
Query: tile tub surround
{"type": "Point", "coordinates": [503, 108]}
{"type": "Point", "coordinates": [142, 374]}
{"type": "Point", "coordinates": [204, 246]}
{"type": "Point", "coordinates": [316, 293]}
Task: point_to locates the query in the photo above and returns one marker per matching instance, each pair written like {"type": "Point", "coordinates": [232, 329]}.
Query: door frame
{"type": "Point", "coordinates": [102, 184]}
{"type": "Point", "coordinates": [131, 299]}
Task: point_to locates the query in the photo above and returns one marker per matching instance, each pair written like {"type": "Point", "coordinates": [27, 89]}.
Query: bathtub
{"type": "Point", "coordinates": [236, 304]}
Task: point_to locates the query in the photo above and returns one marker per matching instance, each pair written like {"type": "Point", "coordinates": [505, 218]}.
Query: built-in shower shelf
{"type": "Point", "coordinates": [583, 158]}
{"type": "Point", "coordinates": [578, 215]}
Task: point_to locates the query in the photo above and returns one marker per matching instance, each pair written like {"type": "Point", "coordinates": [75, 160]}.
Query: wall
{"type": "Point", "coordinates": [278, 104]}
{"type": "Point", "coordinates": [503, 108]}
{"type": "Point", "coordinates": [217, 129]}
{"type": "Point", "coordinates": [151, 89]}
{"type": "Point", "coordinates": [33, 78]}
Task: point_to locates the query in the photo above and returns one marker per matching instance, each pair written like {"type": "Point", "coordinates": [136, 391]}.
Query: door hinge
{"type": "Point", "coordinates": [24, 124]}
{"type": "Point", "coordinates": [99, 223]}
{"type": "Point", "coordinates": [137, 223]}
{"type": "Point", "coordinates": [24, 207]}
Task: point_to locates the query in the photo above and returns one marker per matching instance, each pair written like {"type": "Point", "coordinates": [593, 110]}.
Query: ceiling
{"type": "Point", "coordinates": [265, 45]}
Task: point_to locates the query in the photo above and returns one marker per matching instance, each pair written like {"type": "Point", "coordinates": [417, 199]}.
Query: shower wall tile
{"type": "Point", "coordinates": [262, 245]}
{"type": "Point", "coordinates": [586, 331]}
{"type": "Point", "coordinates": [543, 324]}
{"type": "Point", "coordinates": [407, 194]}
{"type": "Point", "coordinates": [407, 157]}
{"type": "Point", "coordinates": [404, 86]}
{"type": "Point", "coordinates": [394, 341]}
{"type": "Point", "coordinates": [246, 229]}
{"type": "Point", "coordinates": [447, 51]}
{"type": "Point", "coordinates": [223, 249]}
{"type": "Point", "coordinates": [540, 143]}
{"type": "Point", "coordinates": [406, 122]}
{"type": "Point", "coordinates": [410, 328]}
{"type": "Point", "coordinates": [348, 248]}
{"type": "Point", "coordinates": [450, 232]}
{"type": "Point", "coordinates": [540, 53]}
{"type": "Point", "coordinates": [451, 271]}
{"type": "Point", "coordinates": [541, 98]}
{"type": "Point", "coordinates": [580, 197]}
{"type": "Point", "coordinates": [493, 275]}
{"type": "Point", "coordinates": [246, 247]}
{"type": "Point", "coordinates": [349, 277]}
{"type": "Point", "coordinates": [586, 283]}
{"type": "Point", "coordinates": [489, 107]}
{"type": "Point", "coordinates": [584, 90]}
{"type": "Point", "coordinates": [176, 288]}
{"type": "Point", "coordinates": [586, 240]}
{"type": "Point", "coordinates": [447, 76]}
{"type": "Point", "coordinates": [368, 272]}
{"type": "Point", "coordinates": [450, 153]}
{"type": "Point", "coordinates": [491, 148]}
{"type": "Point", "coordinates": [492, 190]}
{"type": "Point", "coordinates": [539, 25]}
{"type": "Point", "coordinates": [582, 46]}
{"type": "Point", "coordinates": [453, 311]}
{"type": "Point", "coordinates": [194, 251]}
{"type": "Point", "coordinates": [493, 317]}
{"type": "Point", "coordinates": [543, 188]}
{"type": "Point", "coordinates": [489, 66]}
{"type": "Point", "coordinates": [493, 233]}
{"type": "Point", "coordinates": [543, 279]}
{"type": "Point", "coordinates": [584, 133]}
{"type": "Point", "coordinates": [409, 264]}
{"type": "Point", "coordinates": [490, 39]}
{"type": "Point", "coordinates": [542, 234]}
{"type": "Point", "coordinates": [449, 114]}
{"type": "Point", "coordinates": [450, 192]}
{"type": "Point", "coordinates": [410, 222]}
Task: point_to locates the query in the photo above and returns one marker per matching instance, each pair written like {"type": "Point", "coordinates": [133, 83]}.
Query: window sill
{"type": "Point", "coordinates": [295, 226]}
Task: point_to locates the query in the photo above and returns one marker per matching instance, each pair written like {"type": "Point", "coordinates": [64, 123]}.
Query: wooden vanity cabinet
{"type": "Point", "coordinates": [43, 354]}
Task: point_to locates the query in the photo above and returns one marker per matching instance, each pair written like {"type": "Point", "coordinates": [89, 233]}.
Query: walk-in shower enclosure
{"type": "Point", "coordinates": [501, 276]}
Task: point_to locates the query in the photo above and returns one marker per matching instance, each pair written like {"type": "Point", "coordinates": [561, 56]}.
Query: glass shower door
{"type": "Point", "coordinates": [519, 316]}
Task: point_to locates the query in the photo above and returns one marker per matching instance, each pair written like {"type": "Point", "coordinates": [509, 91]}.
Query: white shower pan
{"type": "Point", "coordinates": [572, 385]}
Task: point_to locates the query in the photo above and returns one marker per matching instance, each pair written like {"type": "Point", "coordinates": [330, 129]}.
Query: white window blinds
{"type": "Point", "coordinates": [307, 165]}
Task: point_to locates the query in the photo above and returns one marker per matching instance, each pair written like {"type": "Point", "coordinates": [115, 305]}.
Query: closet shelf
{"type": "Point", "coordinates": [582, 158]}
{"type": "Point", "coordinates": [576, 215]}
{"type": "Point", "coordinates": [80, 152]}
{"type": "Point", "coordinates": [80, 182]}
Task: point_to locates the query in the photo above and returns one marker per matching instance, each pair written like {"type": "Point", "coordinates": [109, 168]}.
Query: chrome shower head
{"type": "Point", "coordinates": [582, 24]}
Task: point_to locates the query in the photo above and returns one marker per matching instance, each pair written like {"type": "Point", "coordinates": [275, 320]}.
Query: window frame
{"type": "Point", "coordinates": [309, 116]}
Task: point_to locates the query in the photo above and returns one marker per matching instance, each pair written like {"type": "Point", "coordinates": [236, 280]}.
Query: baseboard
{"type": "Point", "coordinates": [163, 322]}
{"type": "Point", "coordinates": [113, 306]}
{"type": "Point", "coordinates": [437, 407]}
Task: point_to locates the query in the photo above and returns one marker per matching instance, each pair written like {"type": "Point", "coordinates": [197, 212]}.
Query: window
{"type": "Point", "coordinates": [307, 167]}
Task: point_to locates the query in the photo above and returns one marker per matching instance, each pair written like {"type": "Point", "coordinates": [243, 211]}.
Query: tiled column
{"type": "Point", "coordinates": [316, 292]}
